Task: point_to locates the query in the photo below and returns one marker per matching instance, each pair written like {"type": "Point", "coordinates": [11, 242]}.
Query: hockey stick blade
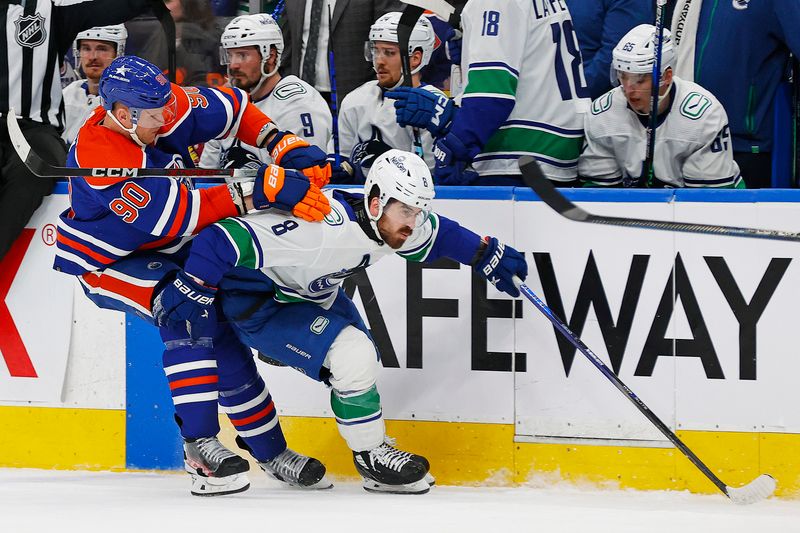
{"type": "Point", "coordinates": [761, 487]}
{"type": "Point", "coordinates": [534, 178]}
{"type": "Point", "coordinates": [758, 489]}
{"type": "Point", "coordinates": [43, 169]}
{"type": "Point", "coordinates": [441, 8]}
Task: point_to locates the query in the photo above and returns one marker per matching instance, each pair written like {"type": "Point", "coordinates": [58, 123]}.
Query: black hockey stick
{"type": "Point", "coordinates": [656, 87]}
{"type": "Point", "coordinates": [405, 26]}
{"type": "Point", "coordinates": [534, 178]}
{"type": "Point", "coordinates": [441, 8]}
{"type": "Point", "coordinates": [758, 489]}
{"type": "Point", "coordinates": [43, 169]}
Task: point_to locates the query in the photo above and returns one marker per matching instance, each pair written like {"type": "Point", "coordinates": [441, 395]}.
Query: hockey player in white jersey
{"type": "Point", "coordinates": [252, 46]}
{"type": "Point", "coordinates": [693, 145]}
{"type": "Point", "coordinates": [280, 278]}
{"type": "Point", "coordinates": [524, 94]}
{"type": "Point", "coordinates": [94, 50]}
{"type": "Point", "coordinates": [366, 114]}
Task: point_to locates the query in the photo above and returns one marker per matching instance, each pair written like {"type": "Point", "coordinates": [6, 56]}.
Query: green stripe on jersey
{"type": "Point", "coordinates": [242, 241]}
{"type": "Point", "coordinates": [535, 141]}
{"type": "Point", "coordinates": [358, 406]}
{"type": "Point", "coordinates": [492, 81]}
{"type": "Point", "coordinates": [420, 255]}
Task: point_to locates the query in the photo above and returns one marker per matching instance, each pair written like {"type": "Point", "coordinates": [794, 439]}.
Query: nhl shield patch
{"type": "Point", "coordinates": [30, 30]}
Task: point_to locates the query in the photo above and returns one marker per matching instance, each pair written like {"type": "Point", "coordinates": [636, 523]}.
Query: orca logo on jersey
{"type": "Point", "coordinates": [115, 172]}
{"type": "Point", "coordinates": [30, 31]}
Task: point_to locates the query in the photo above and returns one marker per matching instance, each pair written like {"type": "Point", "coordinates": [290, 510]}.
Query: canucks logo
{"type": "Point", "coordinates": [325, 283]}
{"type": "Point", "coordinates": [334, 218]}
{"type": "Point", "coordinates": [30, 30]}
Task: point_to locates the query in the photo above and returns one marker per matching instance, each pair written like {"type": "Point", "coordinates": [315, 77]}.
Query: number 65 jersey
{"type": "Point", "coordinates": [693, 145]}
{"type": "Point", "coordinates": [525, 90]}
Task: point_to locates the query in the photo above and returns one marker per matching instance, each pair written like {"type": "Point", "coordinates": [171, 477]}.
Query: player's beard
{"type": "Point", "coordinates": [243, 83]}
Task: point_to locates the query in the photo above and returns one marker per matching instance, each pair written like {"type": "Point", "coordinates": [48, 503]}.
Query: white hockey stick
{"type": "Point", "coordinates": [758, 489]}
{"type": "Point", "coordinates": [43, 169]}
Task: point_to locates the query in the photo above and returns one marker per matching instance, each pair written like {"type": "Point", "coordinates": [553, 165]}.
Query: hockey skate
{"type": "Point", "coordinates": [387, 469]}
{"type": "Point", "coordinates": [215, 470]}
{"type": "Point", "coordinates": [294, 469]}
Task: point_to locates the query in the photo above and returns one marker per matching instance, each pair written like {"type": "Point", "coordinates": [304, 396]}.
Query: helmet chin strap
{"type": "Point", "coordinates": [373, 220]}
{"type": "Point", "coordinates": [264, 75]}
{"type": "Point", "coordinates": [131, 131]}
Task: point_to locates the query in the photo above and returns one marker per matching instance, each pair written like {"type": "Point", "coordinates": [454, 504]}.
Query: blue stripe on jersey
{"type": "Point", "coordinates": [553, 162]}
{"type": "Point", "coordinates": [543, 126]}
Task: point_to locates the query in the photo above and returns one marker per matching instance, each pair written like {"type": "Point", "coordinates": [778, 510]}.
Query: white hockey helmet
{"type": "Point", "coordinates": [422, 36]}
{"type": "Point", "coordinates": [116, 34]}
{"type": "Point", "coordinates": [403, 176]}
{"type": "Point", "coordinates": [635, 52]}
{"type": "Point", "coordinates": [259, 30]}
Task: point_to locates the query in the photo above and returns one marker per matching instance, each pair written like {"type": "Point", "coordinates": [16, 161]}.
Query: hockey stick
{"type": "Point", "coordinates": [758, 489]}
{"type": "Point", "coordinates": [405, 26]}
{"type": "Point", "coordinates": [656, 79]}
{"type": "Point", "coordinates": [164, 16]}
{"type": "Point", "coordinates": [534, 178]}
{"type": "Point", "coordinates": [43, 169]}
{"type": "Point", "coordinates": [441, 8]}
{"type": "Point", "coordinates": [337, 157]}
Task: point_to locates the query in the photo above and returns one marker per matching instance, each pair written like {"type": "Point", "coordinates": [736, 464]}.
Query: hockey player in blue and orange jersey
{"type": "Point", "coordinates": [125, 240]}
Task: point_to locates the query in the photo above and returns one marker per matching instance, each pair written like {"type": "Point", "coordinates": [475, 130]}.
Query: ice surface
{"type": "Point", "coordinates": [44, 501]}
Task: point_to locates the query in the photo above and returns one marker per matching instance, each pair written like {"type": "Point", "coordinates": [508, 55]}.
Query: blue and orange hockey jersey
{"type": "Point", "coordinates": [110, 218]}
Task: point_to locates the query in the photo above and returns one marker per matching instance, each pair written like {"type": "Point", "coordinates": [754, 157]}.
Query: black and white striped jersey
{"type": "Point", "coordinates": [37, 35]}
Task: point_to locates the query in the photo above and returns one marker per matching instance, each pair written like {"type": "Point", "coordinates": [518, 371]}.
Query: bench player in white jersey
{"type": "Point", "coordinates": [280, 279]}
{"type": "Point", "coordinates": [524, 94]}
{"type": "Point", "coordinates": [94, 50]}
{"type": "Point", "coordinates": [366, 114]}
{"type": "Point", "coordinates": [693, 145]}
{"type": "Point", "coordinates": [252, 46]}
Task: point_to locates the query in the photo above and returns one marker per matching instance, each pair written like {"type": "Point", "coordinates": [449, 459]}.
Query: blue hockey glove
{"type": "Point", "coordinates": [423, 109]}
{"type": "Point", "coordinates": [290, 151]}
{"type": "Point", "coordinates": [453, 49]}
{"type": "Point", "coordinates": [341, 173]}
{"type": "Point", "coordinates": [499, 263]}
{"type": "Point", "coordinates": [289, 190]}
{"type": "Point", "coordinates": [363, 155]}
{"type": "Point", "coordinates": [186, 304]}
{"type": "Point", "coordinates": [455, 174]}
{"type": "Point", "coordinates": [238, 157]}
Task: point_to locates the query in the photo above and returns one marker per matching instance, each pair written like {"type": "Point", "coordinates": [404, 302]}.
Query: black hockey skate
{"type": "Point", "coordinates": [294, 469]}
{"type": "Point", "coordinates": [215, 470]}
{"type": "Point", "coordinates": [387, 469]}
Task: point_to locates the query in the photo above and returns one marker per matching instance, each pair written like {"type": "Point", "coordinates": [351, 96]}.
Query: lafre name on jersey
{"type": "Point", "coordinates": [546, 8]}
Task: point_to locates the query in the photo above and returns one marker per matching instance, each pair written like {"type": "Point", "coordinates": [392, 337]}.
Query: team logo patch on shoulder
{"type": "Point", "coordinates": [319, 325]}
{"type": "Point", "coordinates": [30, 30]}
{"type": "Point", "coordinates": [602, 104]}
{"type": "Point", "coordinates": [286, 91]}
{"type": "Point", "coordinates": [334, 218]}
{"type": "Point", "coordinates": [694, 105]}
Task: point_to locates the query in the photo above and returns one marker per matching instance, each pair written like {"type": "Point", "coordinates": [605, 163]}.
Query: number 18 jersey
{"type": "Point", "coordinates": [525, 52]}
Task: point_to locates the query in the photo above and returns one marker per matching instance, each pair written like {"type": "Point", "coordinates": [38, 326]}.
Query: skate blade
{"type": "Point", "coordinates": [219, 486]}
{"type": "Point", "coordinates": [417, 487]}
{"type": "Point", "coordinates": [429, 479]}
{"type": "Point", "coordinates": [322, 484]}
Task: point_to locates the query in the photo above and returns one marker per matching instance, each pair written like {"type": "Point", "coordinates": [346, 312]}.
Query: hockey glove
{"type": "Point", "coordinates": [423, 109]}
{"type": "Point", "coordinates": [499, 263]}
{"type": "Point", "coordinates": [290, 151]}
{"type": "Point", "coordinates": [186, 304]}
{"type": "Point", "coordinates": [363, 155]}
{"type": "Point", "coordinates": [455, 174]}
{"type": "Point", "coordinates": [341, 173]}
{"type": "Point", "coordinates": [238, 157]}
{"type": "Point", "coordinates": [289, 190]}
{"type": "Point", "coordinates": [453, 49]}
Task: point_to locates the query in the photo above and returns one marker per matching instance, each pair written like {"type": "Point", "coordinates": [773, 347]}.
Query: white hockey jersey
{"type": "Point", "coordinates": [292, 105]}
{"type": "Point", "coordinates": [78, 106]}
{"type": "Point", "coordinates": [309, 261]}
{"type": "Point", "coordinates": [365, 115]}
{"type": "Point", "coordinates": [526, 51]}
{"type": "Point", "coordinates": [693, 145]}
